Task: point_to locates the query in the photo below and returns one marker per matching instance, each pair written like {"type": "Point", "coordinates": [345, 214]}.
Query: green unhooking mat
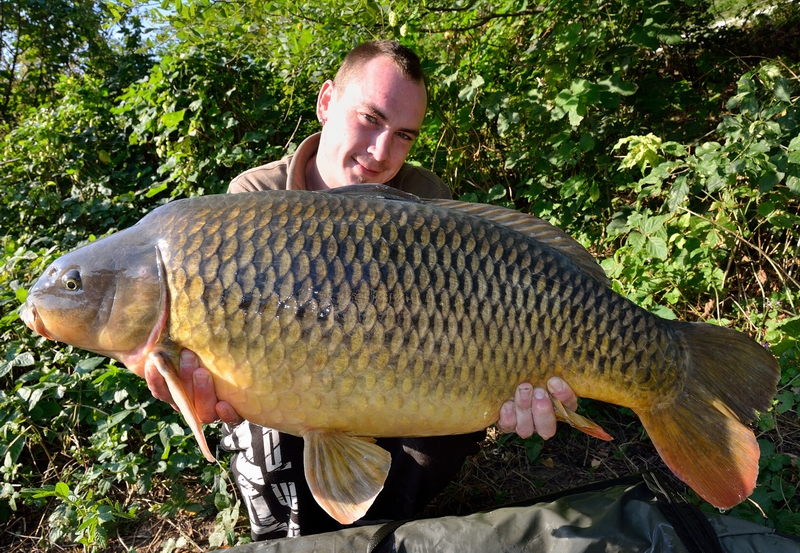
{"type": "Point", "coordinates": [635, 514]}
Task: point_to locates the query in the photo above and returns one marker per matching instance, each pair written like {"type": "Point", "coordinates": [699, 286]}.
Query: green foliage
{"type": "Point", "coordinates": [68, 167]}
{"type": "Point", "coordinates": [45, 41]}
{"type": "Point", "coordinates": [630, 124]}
{"type": "Point", "coordinates": [209, 114]}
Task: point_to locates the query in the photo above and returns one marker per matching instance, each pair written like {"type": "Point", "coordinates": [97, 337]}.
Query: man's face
{"type": "Point", "coordinates": [369, 127]}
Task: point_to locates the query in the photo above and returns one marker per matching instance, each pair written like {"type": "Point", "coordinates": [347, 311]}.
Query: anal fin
{"type": "Point", "coordinates": [578, 421]}
{"type": "Point", "coordinates": [183, 402]}
{"type": "Point", "coordinates": [345, 473]}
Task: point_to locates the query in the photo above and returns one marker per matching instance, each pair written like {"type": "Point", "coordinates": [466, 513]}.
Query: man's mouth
{"type": "Point", "coordinates": [369, 170]}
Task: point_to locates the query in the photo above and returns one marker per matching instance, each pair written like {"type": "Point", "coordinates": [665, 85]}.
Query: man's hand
{"type": "Point", "coordinates": [199, 386]}
{"type": "Point", "coordinates": [532, 411]}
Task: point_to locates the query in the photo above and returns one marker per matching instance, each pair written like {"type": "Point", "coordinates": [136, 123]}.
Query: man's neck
{"type": "Point", "coordinates": [314, 180]}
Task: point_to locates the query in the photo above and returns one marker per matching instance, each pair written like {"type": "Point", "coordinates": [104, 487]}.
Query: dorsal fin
{"type": "Point", "coordinates": [375, 191]}
{"type": "Point", "coordinates": [536, 228]}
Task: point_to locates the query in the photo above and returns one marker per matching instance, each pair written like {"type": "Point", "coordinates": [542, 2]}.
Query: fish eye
{"type": "Point", "coordinates": [71, 280]}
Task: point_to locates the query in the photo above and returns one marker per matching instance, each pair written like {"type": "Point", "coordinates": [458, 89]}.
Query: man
{"type": "Point", "coordinates": [371, 113]}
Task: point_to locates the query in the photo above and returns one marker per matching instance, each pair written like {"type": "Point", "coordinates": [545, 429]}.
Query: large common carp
{"type": "Point", "coordinates": [365, 313]}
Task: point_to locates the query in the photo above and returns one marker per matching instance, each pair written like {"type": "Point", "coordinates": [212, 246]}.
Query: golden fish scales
{"type": "Point", "coordinates": [366, 313]}
{"type": "Point", "coordinates": [311, 317]}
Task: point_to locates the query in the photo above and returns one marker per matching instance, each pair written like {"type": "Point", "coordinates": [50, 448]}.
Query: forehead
{"type": "Point", "coordinates": [379, 83]}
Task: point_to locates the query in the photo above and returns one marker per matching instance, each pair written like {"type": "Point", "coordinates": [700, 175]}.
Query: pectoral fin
{"type": "Point", "coordinates": [183, 402]}
{"type": "Point", "coordinates": [580, 422]}
{"type": "Point", "coordinates": [344, 473]}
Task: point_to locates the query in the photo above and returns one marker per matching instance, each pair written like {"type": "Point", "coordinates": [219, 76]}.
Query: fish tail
{"type": "Point", "coordinates": [702, 434]}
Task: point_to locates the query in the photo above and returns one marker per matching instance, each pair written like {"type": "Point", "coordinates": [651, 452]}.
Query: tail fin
{"type": "Point", "coordinates": [701, 433]}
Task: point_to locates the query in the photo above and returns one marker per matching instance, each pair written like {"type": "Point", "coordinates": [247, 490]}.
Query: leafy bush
{"type": "Point", "coordinates": [628, 124]}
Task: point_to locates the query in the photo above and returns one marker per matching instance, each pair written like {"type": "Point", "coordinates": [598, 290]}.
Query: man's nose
{"type": "Point", "coordinates": [381, 146]}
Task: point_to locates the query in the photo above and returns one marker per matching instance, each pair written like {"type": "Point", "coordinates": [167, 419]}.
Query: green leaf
{"type": "Point", "coordinates": [783, 89]}
{"type": "Point", "coordinates": [569, 37]}
{"type": "Point", "coordinates": [794, 150]}
{"type": "Point", "coordinates": [586, 142]}
{"type": "Point", "coordinates": [678, 193]}
{"type": "Point", "coordinates": [792, 327]}
{"type": "Point", "coordinates": [157, 189]}
{"type": "Point", "coordinates": [618, 86]}
{"type": "Point", "coordinates": [88, 365]}
{"type": "Point", "coordinates": [22, 360]}
{"type": "Point", "coordinates": [769, 180]}
{"type": "Point", "coordinates": [716, 182]}
{"type": "Point", "coordinates": [664, 312]}
{"type": "Point", "coordinates": [793, 183]}
{"type": "Point", "coordinates": [652, 225]}
{"type": "Point", "coordinates": [62, 490]}
{"type": "Point", "coordinates": [786, 402]}
{"type": "Point", "coordinates": [573, 186]}
{"type": "Point", "coordinates": [636, 240]}
{"type": "Point", "coordinates": [657, 247]}
{"type": "Point", "coordinates": [171, 120]}
{"type": "Point", "coordinates": [467, 94]}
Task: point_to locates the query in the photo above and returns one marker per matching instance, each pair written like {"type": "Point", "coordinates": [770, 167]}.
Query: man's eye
{"type": "Point", "coordinates": [404, 136]}
{"type": "Point", "coordinates": [370, 118]}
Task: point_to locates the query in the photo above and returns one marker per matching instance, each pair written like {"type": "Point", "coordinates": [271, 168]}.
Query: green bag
{"type": "Point", "coordinates": [633, 514]}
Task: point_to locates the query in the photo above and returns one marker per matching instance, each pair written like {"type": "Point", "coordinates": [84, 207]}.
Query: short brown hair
{"type": "Point", "coordinates": [406, 61]}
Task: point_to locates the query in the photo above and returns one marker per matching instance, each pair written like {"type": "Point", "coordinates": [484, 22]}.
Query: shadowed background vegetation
{"type": "Point", "coordinates": [662, 135]}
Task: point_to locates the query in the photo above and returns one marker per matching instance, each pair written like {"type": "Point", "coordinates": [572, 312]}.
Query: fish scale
{"type": "Point", "coordinates": [360, 257]}
{"type": "Point", "coordinates": [367, 313]}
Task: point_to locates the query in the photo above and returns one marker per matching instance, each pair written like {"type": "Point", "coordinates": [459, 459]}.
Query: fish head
{"type": "Point", "coordinates": [106, 297]}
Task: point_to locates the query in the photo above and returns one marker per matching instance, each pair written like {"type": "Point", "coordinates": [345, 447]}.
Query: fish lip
{"type": "Point", "coordinates": [33, 321]}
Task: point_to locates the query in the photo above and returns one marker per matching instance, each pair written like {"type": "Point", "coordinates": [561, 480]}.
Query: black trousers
{"type": "Point", "coordinates": [268, 467]}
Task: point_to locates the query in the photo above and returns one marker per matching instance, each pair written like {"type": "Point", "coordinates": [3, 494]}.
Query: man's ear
{"type": "Point", "coordinates": [324, 100]}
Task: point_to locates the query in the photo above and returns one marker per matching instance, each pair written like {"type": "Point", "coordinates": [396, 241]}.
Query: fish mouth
{"type": "Point", "coordinates": [33, 321]}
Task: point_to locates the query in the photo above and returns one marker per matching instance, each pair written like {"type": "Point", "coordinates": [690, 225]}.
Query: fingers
{"type": "Point", "coordinates": [227, 414]}
{"type": "Point", "coordinates": [531, 411]}
{"type": "Point", "coordinates": [544, 417]}
{"type": "Point", "coordinates": [199, 386]}
{"type": "Point", "coordinates": [156, 383]}
{"type": "Point", "coordinates": [562, 391]}
{"type": "Point", "coordinates": [522, 409]}
{"type": "Point", "coordinates": [508, 418]}
{"type": "Point", "coordinates": [206, 404]}
{"type": "Point", "coordinates": [205, 395]}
